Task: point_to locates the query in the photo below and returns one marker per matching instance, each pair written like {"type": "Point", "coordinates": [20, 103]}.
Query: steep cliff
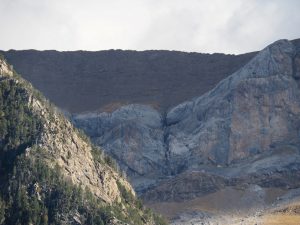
{"type": "Point", "coordinates": [250, 112]}
{"type": "Point", "coordinates": [243, 132]}
{"type": "Point", "coordinates": [50, 173]}
{"type": "Point", "coordinates": [134, 136]}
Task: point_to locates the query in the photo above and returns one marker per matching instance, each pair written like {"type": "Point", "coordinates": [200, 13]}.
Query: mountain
{"type": "Point", "coordinates": [82, 81]}
{"type": "Point", "coordinates": [228, 156]}
{"type": "Point", "coordinates": [238, 142]}
{"type": "Point", "coordinates": [50, 173]}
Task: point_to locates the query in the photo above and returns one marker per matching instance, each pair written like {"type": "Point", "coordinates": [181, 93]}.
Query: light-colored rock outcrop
{"type": "Point", "coordinates": [249, 112]}
{"type": "Point", "coordinates": [252, 111]}
{"type": "Point", "coordinates": [134, 136]}
{"type": "Point", "coordinates": [74, 156]}
{"type": "Point", "coordinates": [5, 68]}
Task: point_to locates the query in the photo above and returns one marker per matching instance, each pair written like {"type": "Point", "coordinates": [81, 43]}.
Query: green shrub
{"type": "Point", "coordinates": [126, 195]}
{"type": "Point", "coordinates": [19, 127]}
{"type": "Point", "coordinates": [2, 211]}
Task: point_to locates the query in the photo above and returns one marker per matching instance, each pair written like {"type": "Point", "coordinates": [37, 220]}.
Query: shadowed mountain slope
{"type": "Point", "coordinates": [86, 81]}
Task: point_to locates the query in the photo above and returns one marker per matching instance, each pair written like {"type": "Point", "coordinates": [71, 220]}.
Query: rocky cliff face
{"type": "Point", "coordinates": [243, 132]}
{"type": "Point", "coordinates": [134, 136]}
{"type": "Point", "coordinates": [250, 112]}
{"type": "Point", "coordinates": [58, 161]}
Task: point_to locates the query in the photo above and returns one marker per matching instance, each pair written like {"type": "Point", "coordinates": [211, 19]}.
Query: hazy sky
{"type": "Point", "coordinates": [229, 26]}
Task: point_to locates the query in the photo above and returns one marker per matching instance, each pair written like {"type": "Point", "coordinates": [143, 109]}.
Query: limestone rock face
{"type": "Point", "coordinates": [134, 136]}
{"type": "Point", "coordinates": [73, 155]}
{"type": "Point", "coordinates": [252, 113]}
{"type": "Point", "coordinates": [248, 113]}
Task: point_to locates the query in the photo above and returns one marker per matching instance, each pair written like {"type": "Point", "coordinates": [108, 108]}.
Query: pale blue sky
{"type": "Point", "coordinates": [229, 26]}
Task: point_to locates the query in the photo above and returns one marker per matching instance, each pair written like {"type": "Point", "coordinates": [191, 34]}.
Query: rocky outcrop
{"type": "Point", "coordinates": [134, 136]}
{"type": "Point", "coordinates": [226, 137]}
{"type": "Point", "coordinates": [74, 156]}
{"type": "Point", "coordinates": [248, 113]}
{"type": "Point", "coordinates": [5, 68]}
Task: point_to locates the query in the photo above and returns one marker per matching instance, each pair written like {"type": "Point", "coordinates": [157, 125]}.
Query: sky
{"type": "Point", "coordinates": [228, 26]}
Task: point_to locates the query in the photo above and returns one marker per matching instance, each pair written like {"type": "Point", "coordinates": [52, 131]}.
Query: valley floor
{"type": "Point", "coordinates": [255, 205]}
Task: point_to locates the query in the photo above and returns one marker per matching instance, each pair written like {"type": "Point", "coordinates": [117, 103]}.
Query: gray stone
{"type": "Point", "coordinates": [245, 114]}
{"type": "Point", "coordinates": [253, 113]}
{"type": "Point", "coordinates": [134, 136]}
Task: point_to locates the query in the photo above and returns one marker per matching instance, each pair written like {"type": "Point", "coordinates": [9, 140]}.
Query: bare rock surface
{"type": "Point", "coordinates": [253, 111]}
{"type": "Point", "coordinates": [249, 112]}
{"type": "Point", "coordinates": [134, 136]}
{"type": "Point", "coordinates": [244, 133]}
